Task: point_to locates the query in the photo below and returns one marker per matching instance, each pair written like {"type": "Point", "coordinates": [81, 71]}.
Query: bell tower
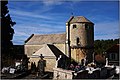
{"type": "Point", "coordinates": [80, 38]}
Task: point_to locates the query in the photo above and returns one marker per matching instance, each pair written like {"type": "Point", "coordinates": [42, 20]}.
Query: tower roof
{"type": "Point", "coordinates": [79, 19]}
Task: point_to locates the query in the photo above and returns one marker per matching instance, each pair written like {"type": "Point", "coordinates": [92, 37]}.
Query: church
{"type": "Point", "coordinates": [76, 43]}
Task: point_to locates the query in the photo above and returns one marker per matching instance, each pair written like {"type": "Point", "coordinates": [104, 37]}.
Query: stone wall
{"type": "Point", "coordinates": [50, 62]}
{"type": "Point", "coordinates": [85, 34]}
{"type": "Point", "coordinates": [61, 47]}
{"type": "Point", "coordinates": [62, 74]}
{"type": "Point", "coordinates": [77, 55]}
{"type": "Point", "coordinates": [30, 49]}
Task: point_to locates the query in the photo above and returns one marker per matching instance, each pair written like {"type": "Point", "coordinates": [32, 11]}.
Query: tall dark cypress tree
{"type": "Point", "coordinates": [6, 34]}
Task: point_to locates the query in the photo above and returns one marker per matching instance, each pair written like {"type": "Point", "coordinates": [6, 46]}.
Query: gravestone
{"type": "Point", "coordinates": [106, 62]}
{"type": "Point", "coordinates": [33, 67]}
{"type": "Point", "coordinates": [25, 62]}
{"type": "Point", "coordinates": [57, 61]}
{"type": "Point", "coordinates": [41, 66]}
{"type": "Point", "coordinates": [12, 70]}
{"type": "Point", "coordinates": [61, 62]}
{"type": "Point", "coordinates": [5, 69]}
{"type": "Point", "coordinates": [84, 63]}
{"type": "Point", "coordinates": [17, 63]}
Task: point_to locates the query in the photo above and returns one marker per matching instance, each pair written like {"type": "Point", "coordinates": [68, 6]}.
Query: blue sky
{"type": "Point", "coordinates": [47, 17]}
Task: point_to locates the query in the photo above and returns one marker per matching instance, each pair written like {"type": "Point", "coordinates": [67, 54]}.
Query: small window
{"type": "Point", "coordinates": [77, 40]}
{"type": "Point", "coordinates": [112, 56]}
{"type": "Point", "coordinates": [74, 26]}
{"type": "Point", "coordinates": [86, 26]}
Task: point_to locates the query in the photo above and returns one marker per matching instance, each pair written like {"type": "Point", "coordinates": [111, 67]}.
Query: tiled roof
{"type": "Point", "coordinates": [80, 19]}
{"type": "Point", "coordinates": [99, 58]}
{"type": "Point", "coordinates": [46, 39]}
{"type": "Point", "coordinates": [114, 49]}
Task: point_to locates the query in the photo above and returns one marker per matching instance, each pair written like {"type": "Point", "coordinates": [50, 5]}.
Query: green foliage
{"type": "Point", "coordinates": [6, 35]}
{"type": "Point", "coordinates": [6, 27]}
{"type": "Point", "coordinates": [101, 46]}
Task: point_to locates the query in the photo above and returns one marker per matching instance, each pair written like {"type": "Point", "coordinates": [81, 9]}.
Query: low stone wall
{"type": "Point", "coordinates": [69, 74]}
{"type": "Point", "coordinates": [81, 75]}
{"type": "Point", "coordinates": [98, 73]}
{"type": "Point", "coordinates": [62, 74]}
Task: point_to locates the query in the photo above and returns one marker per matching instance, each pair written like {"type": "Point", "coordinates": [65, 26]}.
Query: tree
{"type": "Point", "coordinates": [101, 46]}
{"type": "Point", "coordinates": [6, 32]}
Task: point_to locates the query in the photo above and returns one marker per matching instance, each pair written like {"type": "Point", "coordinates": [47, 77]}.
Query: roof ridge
{"type": "Point", "coordinates": [45, 46]}
{"type": "Point", "coordinates": [81, 19]}
{"type": "Point", "coordinates": [47, 38]}
{"type": "Point", "coordinates": [29, 38]}
{"type": "Point", "coordinates": [48, 34]}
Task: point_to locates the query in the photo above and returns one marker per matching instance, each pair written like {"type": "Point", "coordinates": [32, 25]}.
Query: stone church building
{"type": "Point", "coordinates": [76, 43]}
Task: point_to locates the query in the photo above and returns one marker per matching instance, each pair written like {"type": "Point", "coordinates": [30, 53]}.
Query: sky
{"type": "Point", "coordinates": [50, 16]}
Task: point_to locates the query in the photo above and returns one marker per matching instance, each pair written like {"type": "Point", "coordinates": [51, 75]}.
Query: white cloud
{"type": "Point", "coordinates": [23, 31]}
{"type": "Point", "coordinates": [52, 2]}
{"type": "Point", "coordinates": [28, 14]}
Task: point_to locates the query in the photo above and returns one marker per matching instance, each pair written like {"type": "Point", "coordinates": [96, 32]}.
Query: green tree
{"type": "Point", "coordinates": [6, 33]}
{"type": "Point", "coordinates": [101, 46]}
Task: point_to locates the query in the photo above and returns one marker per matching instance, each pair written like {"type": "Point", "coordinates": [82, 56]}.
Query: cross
{"type": "Point", "coordinates": [41, 56]}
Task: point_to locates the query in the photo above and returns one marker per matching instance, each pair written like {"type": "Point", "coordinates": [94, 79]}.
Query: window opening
{"type": "Point", "coordinates": [74, 26]}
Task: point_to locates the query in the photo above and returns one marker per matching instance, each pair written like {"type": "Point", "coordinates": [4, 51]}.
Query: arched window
{"type": "Point", "coordinates": [74, 26]}
{"type": "Point", "coordinates": [77, 40]}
